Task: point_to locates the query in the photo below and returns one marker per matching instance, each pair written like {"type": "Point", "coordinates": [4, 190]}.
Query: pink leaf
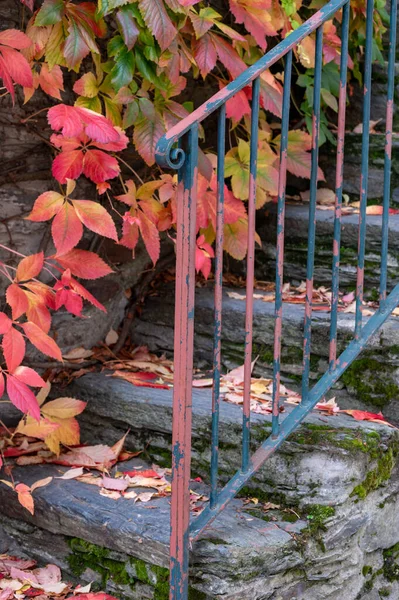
{"type": "Point", "coordinates": [68, 165]}
{"type": "Point", "coordinates": [84, 264]}
{"type": "Point", "coordinates": [66, 229]}
{"type": "Point", "coordinates": [99, 166]}
{"type": "Point", "coordinates": [158, 21]}
{"type": "Point", "coordinates": [22, 397]}
{"type": "Point", "coordinates": [13, 348]}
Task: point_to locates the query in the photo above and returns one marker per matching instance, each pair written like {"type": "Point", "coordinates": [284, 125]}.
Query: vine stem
{"type": "Point", "coordinates": [130, 168]}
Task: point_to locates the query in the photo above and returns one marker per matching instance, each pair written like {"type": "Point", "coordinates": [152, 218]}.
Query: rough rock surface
{"type": "Point", "coordinates": [333, 536]}
{"type": "Point", "coordinates": [371, 381]}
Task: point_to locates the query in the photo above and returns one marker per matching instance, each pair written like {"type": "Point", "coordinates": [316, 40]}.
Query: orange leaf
{"type": "Point", "coordinates": [66, 229]}
{"type": "Point", "coordinates": [46, 206]}
{"type": "Point", "coordinates": [41, 340]}
{"type": "Point", "coordinates": [96, 218]}
{"type": "Point", "coordinates": [13, 348]}
{"type": "Point", "coordinates": [30, 267]}
{"type": "Point", "coordinates": [17, 299]}
{"type": "Point", "coordinates": [25, 497]}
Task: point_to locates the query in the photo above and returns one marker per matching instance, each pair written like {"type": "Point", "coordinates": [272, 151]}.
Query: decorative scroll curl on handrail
{"type": "Point", "coordinates": [170, 157]}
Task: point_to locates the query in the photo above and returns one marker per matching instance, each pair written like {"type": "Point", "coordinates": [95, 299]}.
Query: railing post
{"type": "Point", "coordinates": [183, 354]}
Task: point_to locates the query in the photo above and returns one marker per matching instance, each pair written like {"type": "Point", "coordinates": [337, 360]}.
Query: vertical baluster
{"type": "Point", "coordinates": [278, 306]}
{"type": "Point", "coordinates": [312, 213]}
{"type": "Point", "coordinates": [338, 183]}
{"type": "Point", "coordinates": [250, 272]}
{"type": "Point", "coordinates": [388, 151]}
{"type": "Point", "coordinates": [183, 365]}
{"type": "Point", "coordinates": [365, 166]}
{"type": "Point", "coordinates": [217, 335]}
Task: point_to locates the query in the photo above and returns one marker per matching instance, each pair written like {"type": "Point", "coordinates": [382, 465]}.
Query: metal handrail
{"type": "Point", "coordinates": [178, 149]}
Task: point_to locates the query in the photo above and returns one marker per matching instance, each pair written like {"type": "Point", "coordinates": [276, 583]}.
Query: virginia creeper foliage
{"type": "Point", "coordinates": [130, 64]}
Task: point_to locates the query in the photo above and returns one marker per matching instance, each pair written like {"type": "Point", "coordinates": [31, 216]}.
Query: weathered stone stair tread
{"type": "Point", "coordinates": [296, 226]}
{"type": "Point", "coordinates": [115, 406]}
{"type": "Point", "coordinates": [154, 328]}
{"type": "Point", "coordinates": [76, 509]}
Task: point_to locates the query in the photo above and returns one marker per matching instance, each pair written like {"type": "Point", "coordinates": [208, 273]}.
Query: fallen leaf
{"type": "Point", "coordinates": [72, 473]}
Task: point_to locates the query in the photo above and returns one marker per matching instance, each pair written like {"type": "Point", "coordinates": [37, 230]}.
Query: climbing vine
{"type": "Point", "coordinates": [117, 73]}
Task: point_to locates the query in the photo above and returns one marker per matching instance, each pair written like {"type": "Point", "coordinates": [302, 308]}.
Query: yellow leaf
{"type": "Point", "coordinates": [68, 433]}
{"type": "Point", "coordinates": [63, 408]}
{"type": "Point", "coordinates": [43, 393]}
{"type": "Point", "coordinates": [40, 483]}
{"type": "Point", "coordinates": [30, 427]}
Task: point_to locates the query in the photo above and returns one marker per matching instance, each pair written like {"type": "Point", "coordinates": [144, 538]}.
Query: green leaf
{"type": "Point", "coordinates": [127, 26]}
{"type": "Point", "coordinates": [147, 69]}
{"type": "Point", "coordinates": [130, 115]}
{"type": "Point", "coordinates": [123, 71]}
{"type": "Point", "coordinates": [115, 46]}
{"type": "Point", "coordinates": [112, 111]}
{"type": "Point", "coordinates": [54, 55]}
{"type": "Point", "coordinates": [329, 99]}
{"type": "Point", "coordinates": [102, 8]}
{"type": "Point", "coordinates": [75, 48]}
{"type": "Point", "coordinates": [50, 13]}
{"type": "Point", "coordinates": [91, 103]}
{"type": "Point", "coordinates": [330, 78]}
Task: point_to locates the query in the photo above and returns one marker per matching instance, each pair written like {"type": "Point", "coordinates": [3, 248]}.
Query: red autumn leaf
{"type": "Point", "coordinates": [71, 300]}
{"type": "Point", "coordinates": [378, 210]}
{"type": "Point", "coordinates": [74, 120]}
{"type": "Point", "coordinates": [22, 397]}
{"type": "Point", "coordinates": [238, 106]}
{"type": "Point", "coordinates": [203, 254]}
{"type": "Point", "coordinates": [39, 314]}
{"type": "Point", "coordinates": [14, 68]}
{"type": "Point", "coordinates": [146, 473]}
{"type": "Point", "coordinates": [84, 264]}
{"type": "Point", "coordinates": [17, 299]}
{"type": "Point", "coordinates": [30, 267]}
{"type": "Point", "coordinates": [2, 385]}
{"type": "Point", "coordinates": [5, 323]}
{"type": "Point", "coordinates": [14, 39]}
{"type": "Point", "coordinates": [14, 347]}
{"type": "Point", "coordinates": [150, 235]}
{"type": "Point", "coordinates": [95, 217]}
{"type": "Point", "coordinates": [205, 54]}
{"type": "Point", "coordinates": [66, 229]}
{"type": "Point", "coordinates": [362, 415]}
{"type": "Point", "coordinates": [41, 340]}
{"type": "Point", "coordinates": [228, 56]}
{"type": "Point", "coordinates": [46, 206]}
{"type": "Point", "coordinates": [158, 21]}
{"type": "Point", "coordinates": [68, 165]}
{"type": "Point", "coordinates": [51, 82]}
{"type": "Point", "coordinates": [255, 16]}
{"type": "Point", "coordinates": [29, 376]}
{"type": "Point", "coordinates": [99, 166]}
{"type": "Point", "coordinates": [142, 379]}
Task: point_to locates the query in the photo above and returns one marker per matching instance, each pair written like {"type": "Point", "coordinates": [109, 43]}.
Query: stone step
{"type": "Point", "coordinates": [125, 546]}
{"type": "Point", "coordinates": [295, 253]}
{"type": "Point", "coordinates": [335, 482]}
{"type": "Point", "coordinates": [371, 382]}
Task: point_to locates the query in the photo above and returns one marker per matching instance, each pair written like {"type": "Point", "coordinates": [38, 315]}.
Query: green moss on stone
{"type": "Point", "coordinates": [371, 380]}
{"type": "Point", "coordinates": [379, 474]}
{"type": "Point", "coordinates": [367, 570]}
{"type": "Point", "coordinates": [317, 515]}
